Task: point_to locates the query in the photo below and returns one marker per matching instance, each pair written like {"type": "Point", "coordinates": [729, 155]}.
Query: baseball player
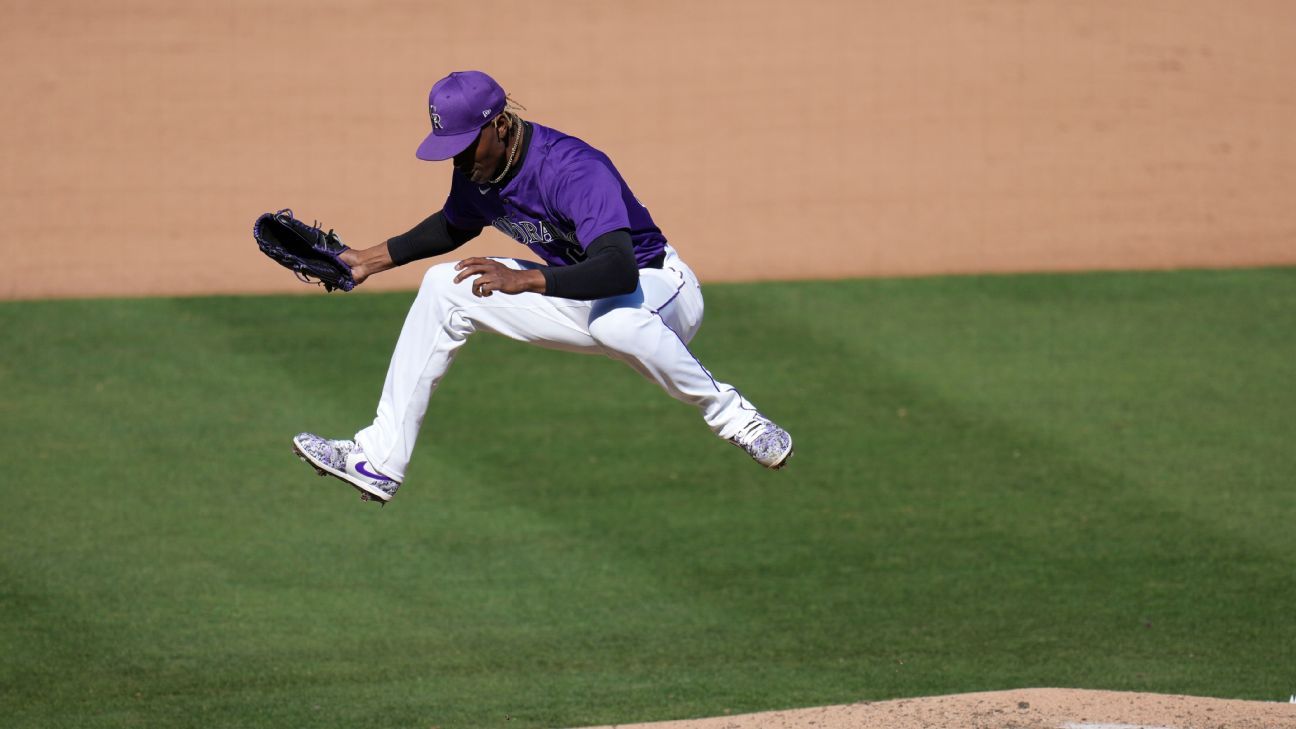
{"type": "Point", "coordinates": [610, 283]}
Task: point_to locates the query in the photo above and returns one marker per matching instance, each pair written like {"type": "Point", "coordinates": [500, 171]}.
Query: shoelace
{"type": "Point", "coordinates": [750, 430]}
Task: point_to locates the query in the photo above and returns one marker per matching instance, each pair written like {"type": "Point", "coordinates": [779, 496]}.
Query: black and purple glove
{"type": "Point", "coordinates": [310, 253]}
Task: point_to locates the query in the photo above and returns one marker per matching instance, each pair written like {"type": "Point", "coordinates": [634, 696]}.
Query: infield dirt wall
{"type": "Point", "coordinates": [771, 140]}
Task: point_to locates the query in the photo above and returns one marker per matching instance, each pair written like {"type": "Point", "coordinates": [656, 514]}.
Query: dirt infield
{"type": "Point", "coordinates": [1024, 709]}
{"type": "Point", "coordinates": [771, 140]}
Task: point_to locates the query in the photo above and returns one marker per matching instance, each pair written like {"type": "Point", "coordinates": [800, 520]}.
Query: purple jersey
{"type": "Point", "coordinates": [564, 196]}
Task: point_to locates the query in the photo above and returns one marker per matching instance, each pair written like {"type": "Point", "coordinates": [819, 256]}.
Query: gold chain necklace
{"type": "Point", "coordinates": [517, 143]}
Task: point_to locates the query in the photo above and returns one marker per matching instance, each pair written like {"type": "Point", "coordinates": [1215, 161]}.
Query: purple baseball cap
{"type": "Point", "coordinates": [459, 105]}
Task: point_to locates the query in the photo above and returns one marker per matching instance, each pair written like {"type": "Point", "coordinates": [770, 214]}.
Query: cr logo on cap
{"type": "Point", "coordinates": [436, 118]}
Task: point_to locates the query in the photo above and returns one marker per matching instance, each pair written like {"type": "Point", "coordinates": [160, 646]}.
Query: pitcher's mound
{"type": "Point", "coordinates": [1022, 709]}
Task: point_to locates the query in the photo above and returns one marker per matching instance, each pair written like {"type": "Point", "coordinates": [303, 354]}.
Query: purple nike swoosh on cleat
{"type": "Point", "coordinates": [360, 468]}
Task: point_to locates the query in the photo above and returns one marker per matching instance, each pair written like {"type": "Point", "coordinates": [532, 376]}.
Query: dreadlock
{"type": "Point", "coordinates": [512, 107]}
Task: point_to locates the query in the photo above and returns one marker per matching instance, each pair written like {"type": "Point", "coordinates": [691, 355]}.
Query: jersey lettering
{"type": "Point", "coordinates": [537, 232]}
{"type": "Point", "coordinates": [532, 233]}
{"type": "Point", "coordinates": [541, 234]}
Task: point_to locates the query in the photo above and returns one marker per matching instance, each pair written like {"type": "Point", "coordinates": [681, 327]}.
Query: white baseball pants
{"type": "Point", "coordinates": [648, 329]}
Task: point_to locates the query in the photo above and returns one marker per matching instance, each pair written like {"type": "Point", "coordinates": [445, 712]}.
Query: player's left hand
{"type": "Point", "coordinates": [494, 276]}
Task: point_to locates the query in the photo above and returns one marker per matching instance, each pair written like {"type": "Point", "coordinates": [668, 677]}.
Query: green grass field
{"type": "Point", "coordinates": [1080, 480]}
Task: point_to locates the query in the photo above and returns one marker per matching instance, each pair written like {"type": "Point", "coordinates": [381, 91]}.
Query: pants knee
{"type": "Point", "coordinates": [440, 276]}
{"type": "Point", "coordinates": [439, 285]}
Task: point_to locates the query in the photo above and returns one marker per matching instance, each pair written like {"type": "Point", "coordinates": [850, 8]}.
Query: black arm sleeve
{"type": "Point", "coordinates": [609, 269]}
{"type": "Point", "coordinates": [432, 237]}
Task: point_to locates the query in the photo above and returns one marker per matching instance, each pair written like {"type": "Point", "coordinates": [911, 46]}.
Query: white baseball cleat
{"type": "Point", "coordinates": [768, 444]}
{"type": "Point", "coordinates": [344, 459]}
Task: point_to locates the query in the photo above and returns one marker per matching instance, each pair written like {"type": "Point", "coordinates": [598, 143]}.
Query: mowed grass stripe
{"type": "Point", "coordinates": [1000, 481]}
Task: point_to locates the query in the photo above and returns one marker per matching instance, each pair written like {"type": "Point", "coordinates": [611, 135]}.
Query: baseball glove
{"type": "Point", "coordinates": [310, 253]}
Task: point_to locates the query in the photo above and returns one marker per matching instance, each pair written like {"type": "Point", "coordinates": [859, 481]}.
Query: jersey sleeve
{"type": "Point", "coordinates": [460, 210]}
{"type": "Point", "coordinates": [589, 195]}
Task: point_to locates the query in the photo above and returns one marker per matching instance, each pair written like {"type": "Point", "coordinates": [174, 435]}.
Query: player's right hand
{"type": "Point", "coordinates": [494, 276]}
